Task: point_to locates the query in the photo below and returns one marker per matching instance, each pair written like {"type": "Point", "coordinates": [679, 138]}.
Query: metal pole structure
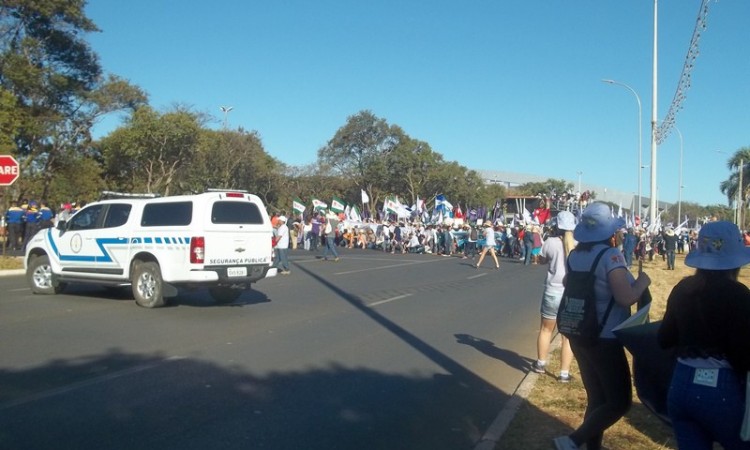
{"type": "Point", "coordinates": [653, 205]}
{"type": "Point", "coordinates": [740, 202]}
{"type": "Point", "coordinates": [225, 110]}
{"type": "Point", "coordinates": [640, 138]}
{"type": "Point", "coordinates": [679, 191]}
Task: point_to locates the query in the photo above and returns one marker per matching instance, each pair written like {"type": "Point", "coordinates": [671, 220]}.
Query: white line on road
{"type": "Point", "coordinates": [392, 299]}
{"type": "Point", "coordinates": [390, 266]}
{"type": "Point", "coordinates": [19, 290]}
{"type": "Point", "coordinates": [476, 276]}
{"type": "Point", "coordinates": [86, 383]}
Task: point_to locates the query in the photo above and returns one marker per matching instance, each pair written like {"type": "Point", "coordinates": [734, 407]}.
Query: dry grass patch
{"type": "Point", "coordinates": [10, 262]}
{"type": "Point", "coordinates": [554, 409]}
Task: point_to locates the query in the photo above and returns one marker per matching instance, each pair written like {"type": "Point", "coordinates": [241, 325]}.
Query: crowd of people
{"type": "Point", "coordinates": [24, 219]}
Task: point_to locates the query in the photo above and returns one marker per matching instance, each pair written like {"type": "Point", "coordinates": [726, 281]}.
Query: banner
{"type": "Point", "coordinates": [337, 205]}
{"type": "Point", "coordinates": [297, 206]}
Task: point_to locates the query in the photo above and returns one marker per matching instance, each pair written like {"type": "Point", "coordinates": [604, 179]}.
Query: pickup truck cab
{"type": "Point", "coordinates": [221, 240]}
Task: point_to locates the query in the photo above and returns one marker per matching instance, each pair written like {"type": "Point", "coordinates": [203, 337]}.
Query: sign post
{"type": "Point", "coordinates": [8, 170]}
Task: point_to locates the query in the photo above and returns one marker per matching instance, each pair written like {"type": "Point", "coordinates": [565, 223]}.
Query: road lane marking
{"type": "Point", "coordinates": [390, 266]}
{"type": "Point", "coordinates": [86, 383]}
{"type": "Point", "coordinates": [388, 300]}
{"type": "Point", "coordinates": [476, 276]}
{"type": "Point", "coordinates": [19, 290]}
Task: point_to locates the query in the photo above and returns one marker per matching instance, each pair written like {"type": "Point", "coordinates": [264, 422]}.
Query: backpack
{"type": "Point", "coordinates": [576, 318]}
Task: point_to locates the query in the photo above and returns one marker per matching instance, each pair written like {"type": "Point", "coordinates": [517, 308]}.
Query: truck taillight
{"type": "Point", "coordinates": [197, 250]}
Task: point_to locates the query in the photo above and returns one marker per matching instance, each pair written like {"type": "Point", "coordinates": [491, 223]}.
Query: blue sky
{"type": "Point", "coordinates": [492, 84]}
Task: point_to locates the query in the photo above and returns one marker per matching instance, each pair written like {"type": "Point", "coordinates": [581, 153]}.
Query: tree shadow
{"type": "Point", "coordinates": [119, 400]}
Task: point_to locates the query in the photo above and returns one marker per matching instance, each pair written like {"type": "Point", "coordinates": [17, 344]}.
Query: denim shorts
{"type": "Point", "coordinates": [550, 304]}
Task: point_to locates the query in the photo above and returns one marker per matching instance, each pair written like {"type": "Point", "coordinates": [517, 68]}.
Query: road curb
{"type": "Point", "coordinates": [498, 426]}
{"type": "Point", "coordinates": [4, 273]}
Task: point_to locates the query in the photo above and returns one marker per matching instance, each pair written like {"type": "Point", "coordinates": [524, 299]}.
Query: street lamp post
{"type": "Point", "coordinates": [679, 191]}
{"type": "Point", "coordinates": [640, 136]}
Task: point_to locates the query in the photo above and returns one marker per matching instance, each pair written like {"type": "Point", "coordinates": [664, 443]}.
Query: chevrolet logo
{"type": "Point", "coordinates": [239, 249]}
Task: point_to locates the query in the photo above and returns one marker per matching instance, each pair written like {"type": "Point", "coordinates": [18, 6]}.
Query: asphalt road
{"type": "Point", "coordinates": [376, 351]}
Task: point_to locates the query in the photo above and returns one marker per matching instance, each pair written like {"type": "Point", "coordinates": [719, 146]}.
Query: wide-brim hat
{"type": "Point", "coordinates": [487, 224]}
{"type": "Point", "coordinates": [566, 221]}
{"type": "Point", "coordinates": [597, 224]}
{"type": "Point", "coordinates": [719, 247]}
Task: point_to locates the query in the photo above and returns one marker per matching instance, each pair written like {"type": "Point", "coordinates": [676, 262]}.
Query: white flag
{"type": "Point", "coordinates": [365, 197]}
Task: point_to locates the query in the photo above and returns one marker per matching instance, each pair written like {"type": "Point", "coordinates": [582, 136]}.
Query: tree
{"type": "Point", "coordinates": [545, 188]}
{"type": "Point", "coordinates": [731, 186]}
{"type": "Point", "coordinates": [56, 84]}
{"type": "Point", "coordinates": [151, 150]}
{"type": "Point", "coordinates": [358, 150]}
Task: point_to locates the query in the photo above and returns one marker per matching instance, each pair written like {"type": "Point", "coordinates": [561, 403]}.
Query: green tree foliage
{"type": "Point", "coordinates": [731, 186]}
{"type": "Point", "coordinates": [236, 160]}
{"type": "Point", "coordinates": [56, 86]}
{"type": "Point", "coordinates": [544, 188]}
{"type": "Point", "coordinates": [152, 150]}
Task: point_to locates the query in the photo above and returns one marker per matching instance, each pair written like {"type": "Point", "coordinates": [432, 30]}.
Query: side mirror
{"type": "Point", "coordinates": [61, 225]}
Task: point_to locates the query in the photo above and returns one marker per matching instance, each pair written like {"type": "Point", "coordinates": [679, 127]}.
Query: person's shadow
{"type": "Point", "coordinates": [512, 359]}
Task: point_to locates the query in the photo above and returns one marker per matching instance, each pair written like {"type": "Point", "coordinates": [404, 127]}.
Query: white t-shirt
{"type": "Point", "coordinates": [283, 236]}
{"type": "Point", "coordinates": [489, 237]}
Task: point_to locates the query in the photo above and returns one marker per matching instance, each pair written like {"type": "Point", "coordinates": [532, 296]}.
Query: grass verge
{"type": "Point", "coordinates": [553, 409]}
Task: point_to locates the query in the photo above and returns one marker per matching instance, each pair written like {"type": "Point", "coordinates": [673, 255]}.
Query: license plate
{"type": "Point", "coordinates": [236, 271]}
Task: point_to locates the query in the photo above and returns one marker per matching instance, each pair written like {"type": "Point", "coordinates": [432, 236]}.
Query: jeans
{"type": "Point", "coordinates": [702, 414]}
{"type": "Point", "coordinates": [670, 259]}
{"type": "Point", "coordinates": [330, 248]}
{"type": "Point", "coordinates": [527, 246]}
{"type": "Point", "coordinates": [282, 259]}
{"type": "Point", "coordinates": [606, 376]}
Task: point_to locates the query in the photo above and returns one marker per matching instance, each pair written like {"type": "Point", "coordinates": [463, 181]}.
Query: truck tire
{"type": "Point", "coordinates": [39, 277]}
{"type": "Point", "coordinates": [147, 285]}
{"type": "Point", "coordinates": [224, 294]}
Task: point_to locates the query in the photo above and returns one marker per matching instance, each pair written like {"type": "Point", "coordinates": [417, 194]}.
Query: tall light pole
{"type": "Point", "coordinates": [640, 136]}
{"type": "Point", "coordinates": [653, 205]}
{"type": "Point", "coordinates": [679, 191]}
{"type": "Point", "coordinates": [225, 110]}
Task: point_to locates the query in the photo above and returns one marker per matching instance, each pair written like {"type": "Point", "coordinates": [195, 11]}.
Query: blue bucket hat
{"type": "Point", "coordinates": [566, 220]}
{"type": "Point", "coordinates": [596, 224]}
{"type": "Point", "coordinates": [719, 247]}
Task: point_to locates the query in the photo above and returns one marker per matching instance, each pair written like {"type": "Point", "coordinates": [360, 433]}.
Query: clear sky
{"type": "Point", "coordinates": [492, 84]}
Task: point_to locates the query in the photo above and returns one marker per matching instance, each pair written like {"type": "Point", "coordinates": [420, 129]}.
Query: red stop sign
{"type": "Point", "coordinates": [8, 170]}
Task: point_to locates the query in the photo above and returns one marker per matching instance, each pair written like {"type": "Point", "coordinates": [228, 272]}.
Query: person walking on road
{"type": "Point", "coordinates": [282, 245]}
{"type": "Point", "coordinates": [331, 224]}
{"type": "Point", "coordinates": [489, 245]}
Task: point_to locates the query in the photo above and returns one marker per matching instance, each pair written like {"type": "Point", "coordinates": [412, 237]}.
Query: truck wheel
{"type": "Point", "coordinates": [147, 285]}
{"type": "Point", "coordinates": [39, 277]}
{"type": "Point", "coordinates": [224, 294]}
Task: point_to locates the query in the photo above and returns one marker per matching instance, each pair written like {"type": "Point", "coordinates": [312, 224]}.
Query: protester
{"type": "Point", "coordinates": [604, 369]}
{"type": "Point", "coordinates": [329, 230]}
{"type": "Point", "coordinates": [489, 246]}
{"type": "Point", "coordinates": [554, 253]}
{"type": "Point", "coordinates": [670, 246]}
{"type": "Point", "coordinates": [708, 322]}
{"type": "Point", "coordinates": [282, 245]}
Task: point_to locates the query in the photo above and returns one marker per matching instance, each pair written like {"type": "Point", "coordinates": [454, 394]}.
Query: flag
{"type": "Point", "coordinates": [391, 205]}
{"type": "Point", "coordinates": [365, 197]}
{"type": "Point", "coordinates": [337, 205]}
{"type": "Point", "coordinates": [319, 204]}
{"type": "Point", "coordinates": [354, 214]}
{"type": "Point", "coordinates": [441, 201]}
{"type": "Point", "coordinates": [458, 214]}
{"type": "Point", "coordinates": [297, 206]}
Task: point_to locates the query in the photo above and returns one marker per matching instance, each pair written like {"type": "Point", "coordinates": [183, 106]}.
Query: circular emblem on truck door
{"type": "Point", "coordinates": [76, 243]}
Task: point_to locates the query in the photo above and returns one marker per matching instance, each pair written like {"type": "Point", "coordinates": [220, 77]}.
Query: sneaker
{"type": "Point", "coordinates": [564, 443]}
{"type": "Point", "coordinates": [563, 379]}
{"type": "Point", "coordinates": [336, 259]}
{"type": "Point", "coordinates": [285, 272]}
{"type": "Point", "coordinates": [538, 368]}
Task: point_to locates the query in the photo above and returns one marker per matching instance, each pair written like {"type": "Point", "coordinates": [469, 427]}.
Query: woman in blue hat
{"type": "Point", "coordinates": [708, 322]}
